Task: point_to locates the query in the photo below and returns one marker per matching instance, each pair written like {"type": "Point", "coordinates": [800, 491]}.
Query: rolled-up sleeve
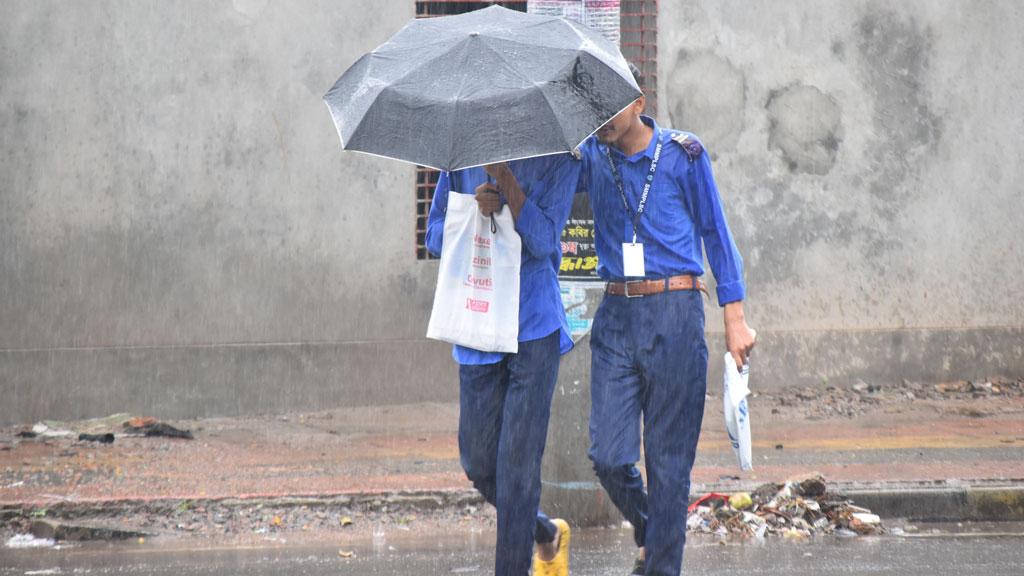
{"type": "Point", "coordinates": [438, 209]}
{"type": "Point", "coordinates": [546, 208]}
{"type": "Point", "coordinates": [723, 256]}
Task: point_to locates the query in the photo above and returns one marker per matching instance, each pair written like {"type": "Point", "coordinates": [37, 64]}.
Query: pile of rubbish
{"type": "Point", "coordinates": [797, 509]}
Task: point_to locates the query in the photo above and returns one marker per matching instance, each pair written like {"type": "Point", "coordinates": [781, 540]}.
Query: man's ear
{"type": "Point", "coordinates": [639, 104]}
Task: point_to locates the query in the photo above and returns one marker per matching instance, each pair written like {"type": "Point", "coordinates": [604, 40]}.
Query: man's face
{"type": "Point", "coordinates": [613, 130]}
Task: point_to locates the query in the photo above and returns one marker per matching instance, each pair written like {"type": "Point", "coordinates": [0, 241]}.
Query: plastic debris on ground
{"type": "Point", "coordinates": [29, 541]}
{"type": "Point", "coordinates": [796, 510]}
{"type": "Point", "coordinates": [149, 427]}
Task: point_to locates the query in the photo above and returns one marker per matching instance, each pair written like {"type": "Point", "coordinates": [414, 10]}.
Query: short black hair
{"type": "Point", "coordinates": [637, 75]}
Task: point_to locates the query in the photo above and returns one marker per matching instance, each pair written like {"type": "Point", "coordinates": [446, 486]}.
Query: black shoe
{"type": "Point", "coordinates": [638, 568]}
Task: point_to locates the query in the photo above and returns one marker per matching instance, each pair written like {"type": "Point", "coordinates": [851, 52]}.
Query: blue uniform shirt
{"type": "Point", "coordinates": [683, 208]}
{"type": "Point", "coordinates": [549, 183]}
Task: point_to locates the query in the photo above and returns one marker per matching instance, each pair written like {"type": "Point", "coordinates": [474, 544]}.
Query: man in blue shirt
{"type": "Point", "coordinates": [505, 399]}
{"type": "Point", "coordinates": [655, 205]}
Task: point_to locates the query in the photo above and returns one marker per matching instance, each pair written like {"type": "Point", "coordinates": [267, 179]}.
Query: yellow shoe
{"type": "Point", "coordinates": [559, 565]}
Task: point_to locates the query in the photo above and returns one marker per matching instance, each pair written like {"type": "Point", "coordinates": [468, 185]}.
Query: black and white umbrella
{"type": "Point", "coordinates": [481, 87]}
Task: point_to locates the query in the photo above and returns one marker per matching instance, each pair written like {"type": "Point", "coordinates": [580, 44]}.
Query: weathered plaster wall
{"type": "Point", "coordinates": [871, 157]}
{"type": "Point", "coordinates": [180, 233]}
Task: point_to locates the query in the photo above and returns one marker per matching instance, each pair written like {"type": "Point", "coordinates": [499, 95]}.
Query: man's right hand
{"type": "Point", "coordinates": [487, 198]}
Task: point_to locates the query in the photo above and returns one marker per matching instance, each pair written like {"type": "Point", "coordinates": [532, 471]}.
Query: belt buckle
{"type": "Point", "coordinates": [625, 286]}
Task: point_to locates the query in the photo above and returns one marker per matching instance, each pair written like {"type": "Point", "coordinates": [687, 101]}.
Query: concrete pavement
{"type": "Point", "coordinates": [407, 457]}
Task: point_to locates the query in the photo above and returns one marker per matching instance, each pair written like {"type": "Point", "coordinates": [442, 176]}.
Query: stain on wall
{"type": "Point", "coordinates": [708, 98]}
{"type": "Point", "coordinates": [805, 126]}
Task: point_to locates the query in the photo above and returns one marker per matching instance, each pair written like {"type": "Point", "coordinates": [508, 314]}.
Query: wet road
{"type": "Point", "coordinates": [594, 553]}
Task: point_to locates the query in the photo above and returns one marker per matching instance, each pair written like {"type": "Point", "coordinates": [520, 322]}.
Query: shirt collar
{"type": "Point", "coordinates": [649, 152]}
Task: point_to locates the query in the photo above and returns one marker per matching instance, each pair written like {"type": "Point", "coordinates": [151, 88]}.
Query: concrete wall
{"type": "Point", "coordinates": [872, 160]}
{"type": "Point", "coordinates": [180, 234]}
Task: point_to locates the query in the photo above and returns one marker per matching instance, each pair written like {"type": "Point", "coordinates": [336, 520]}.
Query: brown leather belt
{"type": "Point", "coordinates": [648, 287]}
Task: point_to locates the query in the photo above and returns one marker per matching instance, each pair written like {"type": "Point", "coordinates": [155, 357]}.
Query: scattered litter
{"type": "Point", "coordinates": [346, 553]}
{"type": "Point", "coordinates": [47, 571]}
{"type": "Point", "coordinates": [705, 498]}
{"type": "Point", "coordinates": [345, 521]}
{"type": "Point", "coordinates": [107, 438]}
{"type": "Point", "coordinates": [47, 431]}
{"type": "Point", "coordinates": [140, 422]}
{"type": "Point", "coordinates": [740, 501]}
{"type": "Point", "coordinates": [29, 541]}
{"type": "Point", "coordinates": [795, 510]}
{"type": "Point", "coordinates": [151, 427]}
{"type": "Point", "coordinates": [866, 518]}
{"type": "Point", "coordinates": [829, 401]}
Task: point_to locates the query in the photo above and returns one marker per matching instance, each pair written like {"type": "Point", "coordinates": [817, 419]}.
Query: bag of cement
{"type": "Point", "coordinates": [737, 417]}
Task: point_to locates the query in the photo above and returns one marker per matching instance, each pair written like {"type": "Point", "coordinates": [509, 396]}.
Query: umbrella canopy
{"type": "Point", "coordinates": [481, 87]}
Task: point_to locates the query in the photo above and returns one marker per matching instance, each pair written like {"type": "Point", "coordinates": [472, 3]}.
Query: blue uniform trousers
{"type": "Point", "coordinates": [649, 362]}
{"type": "Point", "coordinates": [503, 424]}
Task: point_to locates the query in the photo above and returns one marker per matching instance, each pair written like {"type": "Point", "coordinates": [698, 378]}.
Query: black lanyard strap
{"type": "Point", "coordinates": [634, 217]}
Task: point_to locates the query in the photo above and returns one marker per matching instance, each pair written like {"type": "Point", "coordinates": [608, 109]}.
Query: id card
{"type": "Point", "coordinates": [633, 260]}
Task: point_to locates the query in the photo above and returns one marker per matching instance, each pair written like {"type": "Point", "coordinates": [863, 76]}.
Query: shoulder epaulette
{"type": "Point", "coordinates": [690, 145]}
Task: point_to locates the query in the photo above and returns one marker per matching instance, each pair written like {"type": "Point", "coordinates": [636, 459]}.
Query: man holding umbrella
{"type": "Point", "coordinates": [505, 399]}
{"type": "Point", "coordinates": [655, 203]}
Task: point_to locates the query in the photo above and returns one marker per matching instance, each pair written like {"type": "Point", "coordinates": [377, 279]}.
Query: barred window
{"type": "Point", "coordinates": [639, 44]}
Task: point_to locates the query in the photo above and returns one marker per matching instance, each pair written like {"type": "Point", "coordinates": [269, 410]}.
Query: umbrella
{"type": "Point", "coordinates": [481, 87]}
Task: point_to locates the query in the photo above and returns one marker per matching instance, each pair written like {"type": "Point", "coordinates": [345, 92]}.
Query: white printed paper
{"type": "Point", "coordinates": [737, 415]}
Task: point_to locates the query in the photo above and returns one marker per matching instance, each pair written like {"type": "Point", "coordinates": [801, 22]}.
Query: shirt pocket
{"type": "Point", "coordinates": [668, 215]}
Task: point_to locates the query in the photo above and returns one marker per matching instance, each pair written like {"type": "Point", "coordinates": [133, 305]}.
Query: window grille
{"type": "Point", "coordinates": [639, 43]}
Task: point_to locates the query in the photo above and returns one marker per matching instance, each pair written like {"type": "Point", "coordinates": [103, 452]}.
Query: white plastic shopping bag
{"type": "Point", "coordinates": [476, 303]}
{"type": "Point", "coordinates": [737, 416]}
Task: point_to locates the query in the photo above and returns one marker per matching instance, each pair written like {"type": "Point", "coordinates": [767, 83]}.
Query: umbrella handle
{"type": "Point", "coordinates": [494, 223]}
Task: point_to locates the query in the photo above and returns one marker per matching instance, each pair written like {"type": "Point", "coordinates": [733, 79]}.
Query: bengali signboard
{"type": "Point", "coordinates": [582, 290]}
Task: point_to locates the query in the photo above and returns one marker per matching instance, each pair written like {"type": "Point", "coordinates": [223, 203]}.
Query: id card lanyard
{"type": "Point", "coordinates": [633, 253]}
